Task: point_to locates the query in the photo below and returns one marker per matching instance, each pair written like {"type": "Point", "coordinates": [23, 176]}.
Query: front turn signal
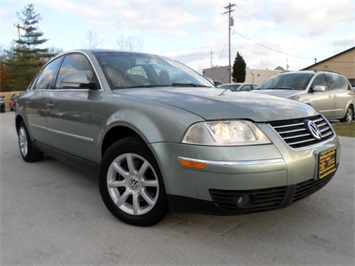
{"type": "Point", "coordinates": [192, 164]}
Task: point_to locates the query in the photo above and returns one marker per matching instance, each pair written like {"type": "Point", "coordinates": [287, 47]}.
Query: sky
{"type": "Point", "coordinates": [292, 34]}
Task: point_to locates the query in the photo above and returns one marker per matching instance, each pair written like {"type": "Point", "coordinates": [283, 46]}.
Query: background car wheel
{"type": "Point", "coordinates": [348, 115]}
{"type": "Point", "coordinates": [28, 151]}
{"type": "Point", "coordinates": [131, 185]}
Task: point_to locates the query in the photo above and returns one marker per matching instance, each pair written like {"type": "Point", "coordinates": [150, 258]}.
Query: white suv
{"type": "Point", "coordinates": [327, 92]}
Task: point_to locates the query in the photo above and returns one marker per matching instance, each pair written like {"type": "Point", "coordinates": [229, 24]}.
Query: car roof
{"type": "Point", "coordinates": [307, 72]}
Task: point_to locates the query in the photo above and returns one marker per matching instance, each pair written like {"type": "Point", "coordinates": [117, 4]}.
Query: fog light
{"type": "Point", "coordinates": [243, 200]}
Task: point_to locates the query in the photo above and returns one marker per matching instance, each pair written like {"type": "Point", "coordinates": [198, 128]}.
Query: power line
{"type": "Point", "coordinates": [271, 48]}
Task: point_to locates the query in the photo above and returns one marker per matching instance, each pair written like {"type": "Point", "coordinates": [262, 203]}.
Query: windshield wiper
{"type": "Point", "coordinates": [187, 85]}
{"type": "Point", "coordinates": [142, 86]}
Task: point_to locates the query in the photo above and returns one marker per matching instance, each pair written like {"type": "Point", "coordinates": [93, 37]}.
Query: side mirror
{"type": "Point", "coordinates": [77, 80]}
{"type": "Point", "coordinates": [318, 88]}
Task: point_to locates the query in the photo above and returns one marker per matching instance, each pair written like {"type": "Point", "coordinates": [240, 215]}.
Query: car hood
{"type": "Point", "coordinates": [279, 93]}
{"type": "Point", "coordinates": [211, 103]}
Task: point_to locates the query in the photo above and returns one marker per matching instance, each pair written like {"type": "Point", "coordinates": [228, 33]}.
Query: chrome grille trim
{"type": "Point", "coordinates": [296, 135]}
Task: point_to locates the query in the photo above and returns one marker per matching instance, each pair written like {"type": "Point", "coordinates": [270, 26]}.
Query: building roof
{"type": "Point", "coordinates": [343, 52]}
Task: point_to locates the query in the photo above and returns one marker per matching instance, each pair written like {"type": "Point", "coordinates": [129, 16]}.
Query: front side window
{"type": "Point", "coordinates": [74, 63]}
{"type": "Point", "coordinates": [46, 78]}
{"type": "Point", "coordinates": [320, 81]}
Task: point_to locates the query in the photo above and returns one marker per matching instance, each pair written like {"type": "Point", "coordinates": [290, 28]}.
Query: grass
{"type": "Point", "coordinates": [345, 129]}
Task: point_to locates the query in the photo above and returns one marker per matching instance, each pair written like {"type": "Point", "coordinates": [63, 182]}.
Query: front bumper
{"type": "Point", "coordinates": [225, 202]}
{"type": "Point", "coordinates": [272, 176]}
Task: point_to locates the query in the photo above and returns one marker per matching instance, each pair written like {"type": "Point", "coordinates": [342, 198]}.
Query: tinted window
{"type": "Point", "coordinates": [320, 81]}
{"type": "Point", "coordinates": [46, 78]}
{"type": "Point", "coordinates": [74, 63]}
{"type": "Point", "coordinates": [337, 82]}
{"type": "Point", "coordinates": [246, 88]}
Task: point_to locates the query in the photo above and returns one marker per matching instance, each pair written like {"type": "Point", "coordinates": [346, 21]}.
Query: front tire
{"type": "Point", "coordinates": [131, 185]}
{"type": "Point", "coordinates": [28, 151]}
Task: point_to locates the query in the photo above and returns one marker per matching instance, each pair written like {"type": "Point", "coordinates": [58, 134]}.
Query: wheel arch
{"type": "Point", "coordinates": [116, 133]}
{"type": "Point", "coordinates": [18, 120]}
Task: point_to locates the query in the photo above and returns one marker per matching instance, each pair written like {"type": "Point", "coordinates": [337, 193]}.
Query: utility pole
{"type": "Point", "coordinates": [18, 30]}
{"type": "Point", "coordinates": [230, 24]}
{"type": "Point", "coordinates": [211, 56]}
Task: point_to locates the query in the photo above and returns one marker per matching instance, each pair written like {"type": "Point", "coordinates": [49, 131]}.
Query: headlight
{"type": "Point", "coordinates": [225, 133]}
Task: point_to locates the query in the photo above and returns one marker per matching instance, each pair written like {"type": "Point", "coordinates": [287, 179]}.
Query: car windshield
{"type": "Point", "coordinates": [289, 81]}
{"type": "Point", "coordinates": [135, 70]}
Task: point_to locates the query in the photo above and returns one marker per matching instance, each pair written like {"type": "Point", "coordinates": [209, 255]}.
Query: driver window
{"type": "Point", "coordinates": [74, 63]}
{"type": "Point", "coordinates": [320, 81]}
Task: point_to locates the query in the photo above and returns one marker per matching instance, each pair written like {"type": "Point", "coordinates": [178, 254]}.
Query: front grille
{"type": "Point", "coordinates": [307, 188]}
{"type": "Point", "coordinates": [261, 199]}
{"type": "Point", "coordinates": [296, 134]}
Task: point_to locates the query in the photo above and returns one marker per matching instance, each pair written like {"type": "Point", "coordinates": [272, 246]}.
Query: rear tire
{"type": "Point", "coordinates": [28, 151]}
{"type": "Point", "coordinates": [348, 115]}
{"type": "Point", "coordinates": [131, 184]}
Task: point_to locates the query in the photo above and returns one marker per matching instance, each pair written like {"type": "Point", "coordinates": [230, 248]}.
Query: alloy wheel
{"type": "Point", "coordinates": [133, 184]}
{"type": "Point", "coordinates": [23, 141]}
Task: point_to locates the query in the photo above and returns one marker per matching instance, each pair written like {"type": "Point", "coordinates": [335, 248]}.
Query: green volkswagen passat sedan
{"type": "Point", "coordinates": [161, 137]}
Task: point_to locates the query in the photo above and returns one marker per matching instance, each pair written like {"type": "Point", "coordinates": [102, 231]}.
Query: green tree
{"type": "Point", "coordinates": [239, 69]}
{"type": "Point", "coordinates": [26, 57]}
{"type": "Point", "coordinates": [4, 75]}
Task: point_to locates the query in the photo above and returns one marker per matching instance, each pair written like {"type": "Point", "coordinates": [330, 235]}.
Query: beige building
{"type": "Point", "coordinates": [342, 63]}
{"type": "Point", "coordinates": [252, 75]}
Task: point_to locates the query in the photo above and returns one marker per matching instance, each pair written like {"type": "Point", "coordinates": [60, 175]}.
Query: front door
{"type": "Point", "coordinates": [322, 100]}
{"type": "Point", "coordinates": [71, 112]}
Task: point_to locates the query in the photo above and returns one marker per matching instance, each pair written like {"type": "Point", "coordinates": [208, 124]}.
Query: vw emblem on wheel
{"type": "Point", "coordinates": [134, 183]}
{"type": "Point", "coordinates": [314, 130]}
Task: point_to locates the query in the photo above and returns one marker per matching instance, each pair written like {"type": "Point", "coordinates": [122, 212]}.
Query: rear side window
{"type": "Point", "coordinates": [47, 76]}
{"type": "Point", "coordinates": [337, 82]}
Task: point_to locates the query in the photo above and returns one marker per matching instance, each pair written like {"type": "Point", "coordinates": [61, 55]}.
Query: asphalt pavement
{"type": "Point", "coordinates": [52, 214]}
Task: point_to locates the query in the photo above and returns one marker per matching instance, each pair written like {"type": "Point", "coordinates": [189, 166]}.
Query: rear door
{"type": "Point", "coordinates": [34, 101]}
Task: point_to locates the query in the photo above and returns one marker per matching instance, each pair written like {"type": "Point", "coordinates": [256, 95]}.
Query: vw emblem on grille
{"type": "Point", "coordinates": [314, 130]}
